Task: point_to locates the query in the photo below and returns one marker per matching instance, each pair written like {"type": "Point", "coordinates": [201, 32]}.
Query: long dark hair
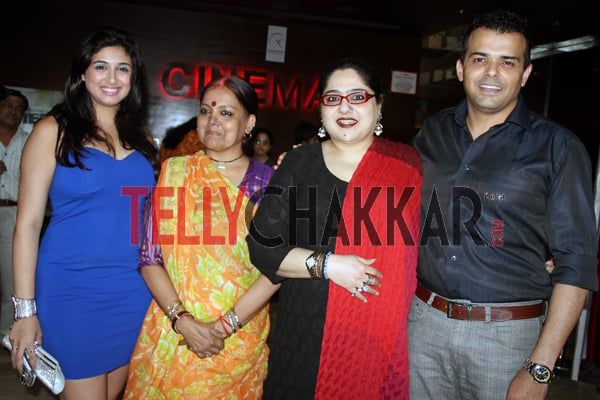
{"type": "Point", "coordinates": [76, 116]}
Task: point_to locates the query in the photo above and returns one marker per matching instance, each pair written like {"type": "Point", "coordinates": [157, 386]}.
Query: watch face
{"type": "Point", "coordinates": [310, 262]}
{"type": "Point", "coordinates": [541, 374]}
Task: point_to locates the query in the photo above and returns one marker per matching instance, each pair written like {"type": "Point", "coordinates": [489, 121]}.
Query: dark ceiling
{"type": "Point", "coordinates": [549, 23]}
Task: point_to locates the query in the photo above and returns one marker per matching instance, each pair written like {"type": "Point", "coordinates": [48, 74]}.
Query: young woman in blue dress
{"type": "Point", "coordinates": [79, 294]}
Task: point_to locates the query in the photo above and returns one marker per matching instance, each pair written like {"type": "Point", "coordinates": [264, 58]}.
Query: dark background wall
{"type": "Point", "coordinates": [38, 42]}
{"type": "Point", "coordinates": [43, 40]}
{"type": "Point", "coordinates": [566, 86]}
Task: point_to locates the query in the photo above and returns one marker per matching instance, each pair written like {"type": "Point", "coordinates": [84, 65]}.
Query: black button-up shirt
{"type": "Point", "coordinates": [496, 208]}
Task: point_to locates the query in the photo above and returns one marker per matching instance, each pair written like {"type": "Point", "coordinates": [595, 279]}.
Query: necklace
{"type": "Point", "coordinates": [222, 164]}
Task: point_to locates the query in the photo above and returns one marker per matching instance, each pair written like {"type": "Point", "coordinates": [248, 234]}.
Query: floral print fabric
{"type": "Point", "coordinates": [206, 257]}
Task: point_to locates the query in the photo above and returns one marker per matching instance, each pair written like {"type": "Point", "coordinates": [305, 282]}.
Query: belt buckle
{"type": "Point", "coordinates": [451, 306]}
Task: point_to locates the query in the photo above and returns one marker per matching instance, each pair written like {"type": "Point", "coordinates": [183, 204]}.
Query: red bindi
{"type": "Point", "coordinates": [214, 103]}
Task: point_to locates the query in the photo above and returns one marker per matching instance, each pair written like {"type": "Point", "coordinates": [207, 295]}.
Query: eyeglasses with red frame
{"type": "Point", "coordinates": [335, 99]}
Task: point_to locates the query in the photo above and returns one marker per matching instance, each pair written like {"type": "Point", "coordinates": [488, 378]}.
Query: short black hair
{"type": "Point", "coordinates": [303, 131]}
{"type": "Point", "coordinates": [5, 92]}
{"type": "Point", "coordinates": [500, 21]}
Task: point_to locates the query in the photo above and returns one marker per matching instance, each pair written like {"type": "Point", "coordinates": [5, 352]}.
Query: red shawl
{"type": "Point", "coordinates": [364, 351]}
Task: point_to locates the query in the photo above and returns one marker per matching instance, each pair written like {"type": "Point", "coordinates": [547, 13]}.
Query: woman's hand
{"type": "Point", "coordinates": [219, 328]}
{"type": "Point", "coordinates": [201, 338]}
{"type": "Point", "coordinates": [23, 334]}
{"type": "Point", "coordinates": [549, 265]}
{"type": "Point", "coordinates": [355, 274]}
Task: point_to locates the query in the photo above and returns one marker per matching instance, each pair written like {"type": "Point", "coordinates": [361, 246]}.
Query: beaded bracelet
{"type": "Point", "coordinates": [317, 271]}
{"type": "Point", "coordinates": [325, 264]}
{"type": "Point", "coordinates": [177, 317]}
{"type": "Point", "coordinates": [320, 265]}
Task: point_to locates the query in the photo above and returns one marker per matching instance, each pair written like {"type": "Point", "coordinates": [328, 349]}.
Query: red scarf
{"type": "Point", "coordinates": [364, 351]}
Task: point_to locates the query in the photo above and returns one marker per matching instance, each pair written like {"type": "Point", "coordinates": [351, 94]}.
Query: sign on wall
{"type": "Point", "coordinates": [276, 39]}
{"type": "Point", "coordinates": [404, 82]}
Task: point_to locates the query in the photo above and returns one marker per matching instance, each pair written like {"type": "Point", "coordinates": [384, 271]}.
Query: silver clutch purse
{"type": "Point", "coordinates": [47, 369]}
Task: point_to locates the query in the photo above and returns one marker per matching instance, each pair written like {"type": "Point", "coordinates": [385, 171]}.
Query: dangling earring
{"type": "Point", "coordinates": [379, 127]}
{"type": "Point", "coordinates": [322, 133]}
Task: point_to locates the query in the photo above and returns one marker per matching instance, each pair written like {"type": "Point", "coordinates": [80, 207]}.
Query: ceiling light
{"type": "Point", "coordinates": [549, 49]}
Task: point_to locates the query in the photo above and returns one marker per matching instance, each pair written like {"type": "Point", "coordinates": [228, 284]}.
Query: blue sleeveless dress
{"type": "Point", "coordinates": [91, 299]}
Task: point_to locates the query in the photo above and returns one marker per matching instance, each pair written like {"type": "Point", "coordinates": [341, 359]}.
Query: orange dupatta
{"type": "Point", "coordinates": [208, 263]}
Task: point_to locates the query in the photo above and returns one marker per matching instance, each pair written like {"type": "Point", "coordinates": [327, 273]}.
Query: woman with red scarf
{"type": "Point", "coordinates": [338, 228]}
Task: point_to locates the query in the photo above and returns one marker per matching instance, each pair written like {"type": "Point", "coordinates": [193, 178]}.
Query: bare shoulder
{"type": "Point", "coordinates": [46, 127]}
{"type": "Point", "coordinates": [44, 135]}
{"type": "Point", "coordinates": [46, 124]}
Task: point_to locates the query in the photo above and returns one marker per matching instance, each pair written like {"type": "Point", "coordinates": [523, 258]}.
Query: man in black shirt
{"type": "Point", "coordinates": [504, 190]}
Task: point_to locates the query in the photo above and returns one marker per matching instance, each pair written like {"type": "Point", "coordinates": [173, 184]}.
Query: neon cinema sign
{"type": "Point", "coordinates": [186, 80]}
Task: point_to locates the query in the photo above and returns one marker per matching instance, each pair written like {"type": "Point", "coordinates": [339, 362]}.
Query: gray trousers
{"type": "Point", "coordinates": [8, 219]}
{"type": "Point", "coordinates": [455, 359]}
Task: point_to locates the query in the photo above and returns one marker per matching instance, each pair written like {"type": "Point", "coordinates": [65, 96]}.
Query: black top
{"type": "Point", "coordinates": [296, 339]}
{"type": "Point", "coordinates": [269, 162]}
{"type": "Point", "coordinates": [496, 208]}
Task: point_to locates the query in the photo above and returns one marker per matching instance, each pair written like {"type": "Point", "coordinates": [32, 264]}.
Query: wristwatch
{"type": "Point", "coordinates": [311, 263]}
{"type": "Point", "coordinates": [539, 372]}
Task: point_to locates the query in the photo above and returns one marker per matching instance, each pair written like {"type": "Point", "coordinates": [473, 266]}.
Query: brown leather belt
{"type": "Point", "coordinates": [5, 202]}
{"type": "Point", "coordinates": [477, 313]}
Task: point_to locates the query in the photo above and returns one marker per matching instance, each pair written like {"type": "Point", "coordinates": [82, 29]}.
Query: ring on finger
{"type": "Point", "coordinates": [365, 289]}
{"type": "Point", "coordinates": [370, 281]}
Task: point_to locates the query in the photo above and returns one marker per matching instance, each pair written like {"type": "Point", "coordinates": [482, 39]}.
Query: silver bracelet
{"type": "Point", "coordinates": [24, 308]}
{"type": "Point", "coordinates": [236, 318]}
{"type": "Point", "coordinates": [231, 321]}
{"type": "Point", "coordinates": [172, 308]}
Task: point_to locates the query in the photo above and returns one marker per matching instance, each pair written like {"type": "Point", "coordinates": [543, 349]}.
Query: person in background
{"type": "Point", "coordinates": [80, 295]}
{"type": "Point", "coordinates": [262, 141]}
{"type": "Point", "coordinates": [504, 190]}
{"type": "Point", "coordinates": [308, 234]}
{"type": "Point", "coordinates": [204, 336]}
{"type": "Point", "coordinates": [13, 105]}
{"type": "Point", "coordinates": [305, 133]}
{"type": "Point", "coordinates": [180, 140]}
